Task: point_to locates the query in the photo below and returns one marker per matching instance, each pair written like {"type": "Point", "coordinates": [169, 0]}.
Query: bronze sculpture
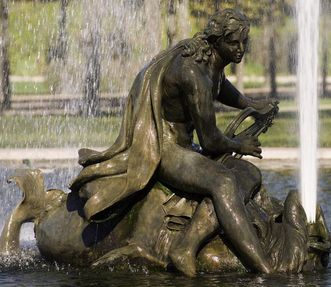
{"type": "Point", "coordinates": [203, 192]}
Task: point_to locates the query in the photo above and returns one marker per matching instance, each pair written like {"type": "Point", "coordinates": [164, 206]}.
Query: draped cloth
{"type": "Point", "coordinates": [132, 160]}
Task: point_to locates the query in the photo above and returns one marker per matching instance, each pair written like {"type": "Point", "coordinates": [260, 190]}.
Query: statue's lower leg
{"type": "Point", "coordinates": [238, 229]}
{"type": "Point", "coordinates": [210, 179]}
{"type": "Point", "coordinates": [203, 225]}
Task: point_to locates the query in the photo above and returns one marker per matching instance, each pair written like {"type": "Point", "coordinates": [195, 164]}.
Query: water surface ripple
{"type": "Point", "coordinates": [29, 269]}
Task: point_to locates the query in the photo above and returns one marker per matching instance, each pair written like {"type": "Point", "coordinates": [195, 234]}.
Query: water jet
{"type": "Point", "coordinates": [307, 91]}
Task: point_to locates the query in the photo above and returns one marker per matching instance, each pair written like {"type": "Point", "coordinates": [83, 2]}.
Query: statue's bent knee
{"type": "Point", "coordinates": [225, 185]}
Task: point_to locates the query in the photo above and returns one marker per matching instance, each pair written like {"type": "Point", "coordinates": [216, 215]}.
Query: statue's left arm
{"type": "Point", "coordinates": [230, 96]}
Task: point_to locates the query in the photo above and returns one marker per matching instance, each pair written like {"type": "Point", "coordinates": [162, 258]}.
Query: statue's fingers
{"type": "Point", "coordinates": [258, 150]}
{"type": "Point", "coordinates": [258, 155]}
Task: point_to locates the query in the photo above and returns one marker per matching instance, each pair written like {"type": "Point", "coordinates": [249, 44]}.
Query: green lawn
{"type": "Point", "coordinates": [30, 88]}
{"type": "Point", "coordinates": [285, 130]}
{"type": "Point", "coordinates": [57, 131]}
{"type": "Point", "coordinates": [283, 133]}
{"type": "Point", "coordinates": [62, 131]}
{"type": "Point", "coordinates": [293, 104]}
{"type": "Point", "coordinates": [32, 27]}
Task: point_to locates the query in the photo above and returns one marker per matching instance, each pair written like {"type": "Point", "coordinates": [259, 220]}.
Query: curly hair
{"type": "Point", "coordinates": [199, 47]}
{"type": "Point", "coordinates": [220, 25]}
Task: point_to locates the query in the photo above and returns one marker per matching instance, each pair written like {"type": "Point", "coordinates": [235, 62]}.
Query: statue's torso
{"type": "Point", "coordinates": [178, 123]}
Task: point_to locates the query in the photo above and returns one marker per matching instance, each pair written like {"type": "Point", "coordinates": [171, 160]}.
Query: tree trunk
{"type": "Point", "coordinates": [265, 51]}
{"type": "Point", "coordinates": [63, 37]}
{"type": "Point", "coordinates": [91, 90]}
{"type": "Point", "coordinates": [92, 79]}
{"type": "Point", "coordinates": [178, 21]}
{"type": "Point", "coordinates": [325, 59]}
{"type": "Point", "coordinates": [183, 20]}
{"type": "Point", "coordinates": [59, 50]}
{"type": "Point", "coordinates": [324, 69]}
{"type": "Point", "coordinates": [272, 66]}
{"type": "Point", "coordinates": [217, 4]}
{"type": "Point", "coordinates": [171, 22]}
{"type": "Point", "coordinates": [5, 68]}
{"type": "Point", "coordinates": [153, 26]}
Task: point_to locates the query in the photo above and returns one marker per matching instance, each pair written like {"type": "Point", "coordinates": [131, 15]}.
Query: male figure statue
{"type": "Point", "coordinates": [170, 98]}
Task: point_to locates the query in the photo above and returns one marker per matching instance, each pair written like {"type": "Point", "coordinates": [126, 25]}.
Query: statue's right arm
{"type": "Point", "coordinates": [197, 88]}
{"type": "Point", "coordinates": [198, 92]}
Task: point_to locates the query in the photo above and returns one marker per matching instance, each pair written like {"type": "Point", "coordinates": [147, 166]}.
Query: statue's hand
{"type": "Point", "coordinates": [88, 156]}
{"type": "Point", "coordinates": [264, 104]}
{"type": "Point", "coordinates": [249, 145]}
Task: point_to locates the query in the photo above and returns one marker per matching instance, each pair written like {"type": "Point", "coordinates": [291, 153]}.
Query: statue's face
{"type": "Point", "coordinates": [232, 47]}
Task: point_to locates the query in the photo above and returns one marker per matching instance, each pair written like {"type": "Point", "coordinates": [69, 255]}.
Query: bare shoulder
{"type": "Point", "coordinates": [186, 70]}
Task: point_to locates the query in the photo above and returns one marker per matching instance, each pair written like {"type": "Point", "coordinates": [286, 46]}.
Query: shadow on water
{"type": "Point", "coordinates": [29, 269]}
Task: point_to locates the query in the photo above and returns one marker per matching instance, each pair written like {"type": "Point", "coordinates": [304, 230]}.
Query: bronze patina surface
{"type": "Point", "coordinates": [156, 197]}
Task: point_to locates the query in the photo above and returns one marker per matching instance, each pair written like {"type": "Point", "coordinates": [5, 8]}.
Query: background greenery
{"type": "Point", "coordinates": [32, 25]}
{"type": "Point", "coordinates": [34, 30]}
{"type": "Point", "coordinates": [75, 131]}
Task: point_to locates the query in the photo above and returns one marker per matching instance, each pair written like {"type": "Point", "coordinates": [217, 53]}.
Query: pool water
{"type": "Point", "coordinates": [29, 269]}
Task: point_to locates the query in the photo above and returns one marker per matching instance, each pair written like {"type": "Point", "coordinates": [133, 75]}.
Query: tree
{"type": "Point", "coordinates": [326, 24]}
{"type": "Point", "coordinates": [92, 77]}
{"type": "Point", "coordinates": [171, 28]}
{"type": "Point", "coordinates": [91, 87]}
{"type": "Point", "coordinates": [177, 20]}
{"type": "Point", "coordinates": [4, 59]}
{"type": "Point", "coordinates": [59, 50]}
{"type": "Point", "coordinates": [217, 4]}
{"type": "Point", "coordinates": [272, 57]}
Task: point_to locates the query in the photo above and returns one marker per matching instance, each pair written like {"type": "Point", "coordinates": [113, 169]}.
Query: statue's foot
{"type": "Point", "coordinates": [184, 260]}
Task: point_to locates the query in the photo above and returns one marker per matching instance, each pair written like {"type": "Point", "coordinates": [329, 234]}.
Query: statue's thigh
{"type": "Point", "coordinates": [192, 172]}
{"type": "Point", "coordinates": [248, 176]}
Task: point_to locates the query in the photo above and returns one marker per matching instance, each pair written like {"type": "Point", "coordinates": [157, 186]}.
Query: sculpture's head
{"type": "Point", "coordinates": [227, 31]}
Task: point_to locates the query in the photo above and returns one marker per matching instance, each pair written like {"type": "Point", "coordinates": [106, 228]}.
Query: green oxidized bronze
{"type": "Point", "coordinates": [157, 198]}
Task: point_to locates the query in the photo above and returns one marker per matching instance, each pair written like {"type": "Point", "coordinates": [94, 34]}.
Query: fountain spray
{"type": "Point", "coordinates": [307, 79]}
